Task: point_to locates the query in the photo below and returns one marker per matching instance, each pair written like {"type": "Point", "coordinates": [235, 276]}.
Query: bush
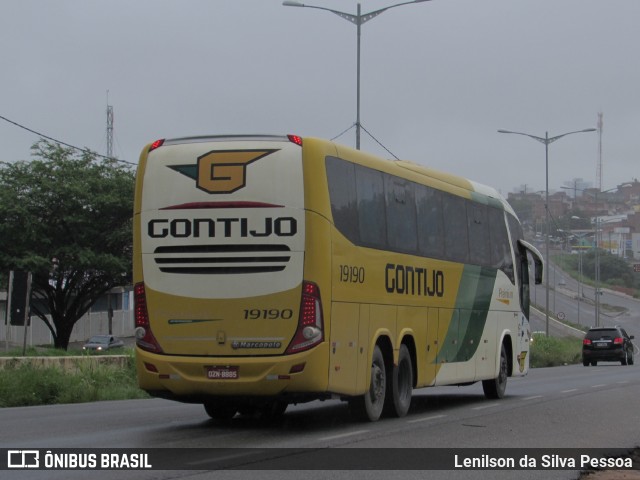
{"type": "Point", "coordinates": [26, 385]}
{"type": "Point", "coordinates": [554, 351]}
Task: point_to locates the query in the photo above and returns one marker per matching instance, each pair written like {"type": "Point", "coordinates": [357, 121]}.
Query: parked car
{"type": "Point", "coordinates": [101, 343]}
{"type": "Point", "coordinates": [611, 344]}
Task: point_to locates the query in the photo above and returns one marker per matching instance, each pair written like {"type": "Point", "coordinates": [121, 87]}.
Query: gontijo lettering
{"type": "Point", "coordinates": [222, 227]}
{"type": "Point", "coordinates": [409, 280]}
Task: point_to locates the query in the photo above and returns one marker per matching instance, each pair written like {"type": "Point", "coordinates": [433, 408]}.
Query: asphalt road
{"type": "Point", "coordinates": [574, 301]}
{"type": "Point", "coordinates": [572, 407]}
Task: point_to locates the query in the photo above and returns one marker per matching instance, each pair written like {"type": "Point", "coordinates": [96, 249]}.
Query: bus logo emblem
{"type": "Point", "coordinates": [222, 171]}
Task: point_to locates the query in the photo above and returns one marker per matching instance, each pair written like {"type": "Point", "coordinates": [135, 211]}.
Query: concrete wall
{"type": "Point", "coordinates": [93, 323]}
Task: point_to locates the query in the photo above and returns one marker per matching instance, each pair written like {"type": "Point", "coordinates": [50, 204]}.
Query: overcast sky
{"type": "Point", "coordinates": [439, 79]}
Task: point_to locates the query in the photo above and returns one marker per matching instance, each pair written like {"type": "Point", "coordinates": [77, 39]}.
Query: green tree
{"type": "Point", "coordinates": [65, 216]}
{"type": "Point", "coordinates": [613, 269]}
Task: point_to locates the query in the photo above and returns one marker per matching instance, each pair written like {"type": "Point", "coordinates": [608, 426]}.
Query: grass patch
{"type": "Point", "coordinates": [37, 352]}
{"type": "Point", "coordinates": [554, 351]}
{"type": "Point", "coordinates": [25, 385]}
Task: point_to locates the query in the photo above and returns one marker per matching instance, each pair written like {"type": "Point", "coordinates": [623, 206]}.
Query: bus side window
{"type": "Point", "coordinates": [525, 290]}
{"type": "Point", "coordinates": [456, 229]}
{"type": "Point", "coordinates": [500, 248]}
{"type": "Point", "coordinates": [430, 222]}
{"type": "Point", "coordinates": [479, 246]}
{"type": "Point", "coordinates": [402, 233]}
{"type": "Point", "coordinates": [342, 192]}
{"type": "Point", "coordinates": [372, 225]}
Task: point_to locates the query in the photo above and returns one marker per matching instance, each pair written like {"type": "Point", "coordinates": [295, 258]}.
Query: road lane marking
{"type": "Point", "coordinates": [570, 390]}
{"type": "Point", "coordinates": [343, 435]}
{"type": "Point", "coordinates": [599, 385]}
{"type": "Point", "coordinates": [433, 417]}
{"type": "Point", "coordinates": [532, 398]}
{"type": "Point", "coordinates": [482, 407]}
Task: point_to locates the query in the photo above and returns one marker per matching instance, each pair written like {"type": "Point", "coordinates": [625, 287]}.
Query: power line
{"type": "Point", "coordinates": [86, 150]}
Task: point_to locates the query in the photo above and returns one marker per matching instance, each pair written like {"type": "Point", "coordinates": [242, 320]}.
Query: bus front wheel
{"type": "Point", "coordinates": [496, 387]}
{"type": "Point", "coordinates": [369, 406]}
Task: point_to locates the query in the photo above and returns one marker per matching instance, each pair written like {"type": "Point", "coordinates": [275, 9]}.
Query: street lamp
{"type": "Point", "coordinates": [547, 140]}
{"type": "Point", "coordinates": [358, 20]}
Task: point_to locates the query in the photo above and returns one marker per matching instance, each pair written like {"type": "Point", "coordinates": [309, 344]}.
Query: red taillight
{"type": "Point", "coordinates": [586, 341]}
{"type": "Point", "coordinates": [310, 331]}
{"type": "Point", "coordinates": [144, 336]}
{"type": "Point", "coordinates": [618, 341]}
{"type": "Point", "coordinates": [156, 144]}
{"type": "Point", "coordinates": [295, 139]}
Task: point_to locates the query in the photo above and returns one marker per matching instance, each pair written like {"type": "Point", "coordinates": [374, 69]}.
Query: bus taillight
{"type": "Point", "coordinates": [144, 336]}
{"type": "Point", "coordinates": [295, 139]}
{"type": "Point", "coordinates": [156, 144]}
{"type": "Point", "coordinates": [310, 330]}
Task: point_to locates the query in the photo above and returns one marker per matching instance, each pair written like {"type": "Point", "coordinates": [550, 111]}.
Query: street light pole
{"type": "Point", "coordinates": [547, 140]}
{"type": "Point", "coordinates": [358, 20]}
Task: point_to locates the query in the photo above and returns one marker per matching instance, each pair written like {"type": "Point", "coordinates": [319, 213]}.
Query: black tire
{"type": "Point", "coordinates": [402, 383]}
{"type": "Point", "coordinates": [594, 363]}
{"type": "Point", "coordinates": [630, 359]}
{"type": "Point", "coordinates": [496, 387]}
{"type": "Point", "coordinates": [370, 405]}
{"type": "Point", "coordinates": [220, 409]}
{"type": "Point", "coordinates": [625, 360]}
{"type": "Point", "coordinates": [585, 363]}
{"type": "Point", "coordinates": [273, 410]}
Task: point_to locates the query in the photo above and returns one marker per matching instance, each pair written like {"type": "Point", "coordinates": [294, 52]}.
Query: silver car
{"type": "Point", "coordinates": [100, 343]}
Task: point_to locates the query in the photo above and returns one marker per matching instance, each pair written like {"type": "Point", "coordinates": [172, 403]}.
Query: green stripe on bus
{"type": "Point", "coordinates": [470, 314]}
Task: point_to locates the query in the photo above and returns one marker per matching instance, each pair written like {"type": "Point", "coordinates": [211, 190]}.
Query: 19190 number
{"type": "Point", "coordinates": [351, 274]}
{"type": "Point", "coordinates": [267, 314]}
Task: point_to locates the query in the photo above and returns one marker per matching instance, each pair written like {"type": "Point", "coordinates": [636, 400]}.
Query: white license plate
{"type": "Point", "coordinates": [223, 372]}
{"type": "Point", "coordinates": [602, 344]}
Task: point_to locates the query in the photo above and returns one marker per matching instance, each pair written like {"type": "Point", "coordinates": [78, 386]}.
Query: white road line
{"type": "Point", "coordinates": [343, 435]}
{"type": "Point", "coordinates": [570, 390]}
{"type": "Point", "coordinates": [600, 385]}
{"type": "Point", "coordinates": [433, 417]}
{"type": "Point", "coordinates": [532, 398]}
{"type": "Point", "coordinates": [485, 406]}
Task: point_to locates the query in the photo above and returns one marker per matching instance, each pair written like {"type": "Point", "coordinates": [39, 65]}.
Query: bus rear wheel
{"type": "Point", "coordinates": [220, 409]}
{"type": "Point", "coordinates": [402, 383]}
{"type": "Point", "coordinates": [496, 387]}
{"type": "Point", "coordinates": [370, 405]}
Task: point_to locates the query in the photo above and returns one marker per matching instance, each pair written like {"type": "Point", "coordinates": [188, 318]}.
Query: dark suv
{"type": "Point", "coordinates": [607, 344]}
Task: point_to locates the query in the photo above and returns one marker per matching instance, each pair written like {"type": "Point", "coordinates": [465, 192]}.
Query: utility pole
{"type": "Point", "coordinates": [109, 128]}
{"type": "Point", "coordinates": [599, 166]}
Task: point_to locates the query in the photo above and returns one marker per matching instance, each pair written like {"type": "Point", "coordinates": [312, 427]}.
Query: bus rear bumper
{"type": "Point", "coordinates": [192, 379]}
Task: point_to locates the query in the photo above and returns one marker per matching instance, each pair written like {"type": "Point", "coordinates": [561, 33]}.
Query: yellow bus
{"type": "Point", "coordinates": [272, 270]}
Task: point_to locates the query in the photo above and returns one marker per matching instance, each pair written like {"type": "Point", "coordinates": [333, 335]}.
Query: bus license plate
{"type": "Point", "coordinates": [223, 372]}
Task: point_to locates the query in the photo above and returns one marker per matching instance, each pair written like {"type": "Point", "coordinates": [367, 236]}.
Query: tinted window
{"type": "Point", "coordinates": [479, 252]}
{"type": "Point", "coordinates": [379, 210]}
{"type": "Point", "coordinates": [456, 235]}
{"type": "Point", "coordinates": [602, 333]}
{"type": "Point", "coordinates": [499, 243]}
{"type": "Point", "coordinates": [401, 215]}
{"type": "Point", "coordinates": [372, 224]}
{"type": "Point", "coordinates": [430, 222]}
{"type": "Point", "coordinates": [516, 234]}
{"type": "Point", "coordinates": [342, 192]}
